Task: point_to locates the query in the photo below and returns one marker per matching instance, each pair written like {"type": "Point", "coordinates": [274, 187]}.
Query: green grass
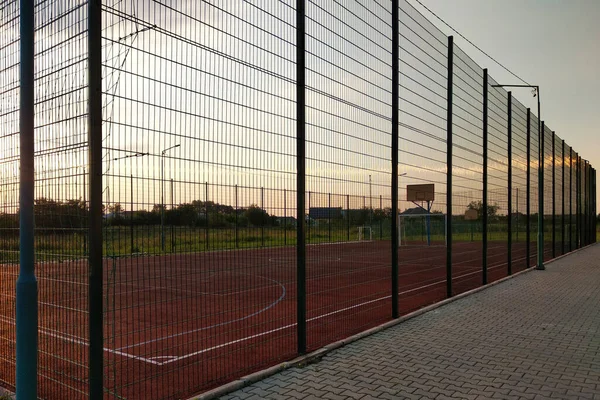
{"type": "Point", "coordinates": [147, 239]}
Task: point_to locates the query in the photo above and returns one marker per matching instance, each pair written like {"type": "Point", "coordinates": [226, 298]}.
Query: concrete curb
{"type": "Point", "coordinates": [7, 394]}
{"type": "Point", "coordinates": [317, 354]}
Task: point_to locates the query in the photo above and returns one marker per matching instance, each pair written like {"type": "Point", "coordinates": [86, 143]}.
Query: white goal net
{"type": "Point", "coordinates": [365, 233]}
{"type": "Point", "coordinates": [422, 229]}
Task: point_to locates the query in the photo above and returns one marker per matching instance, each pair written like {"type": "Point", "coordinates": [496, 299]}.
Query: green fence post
{"type": "Point", "coordinates": [562, 227]}
{"type": "Point", "coordinates": [262, 225]}
{"type": "Point", "coordinates": [570, 199]}
{"type": "Point", "coordinates": [236, 218]}
{"type": "Point", "coordinates": [207, 222]}
{"type": "Point", "coordinates": [528, 204]}
{"type": "Point", "coordinates": [395, 133]}
{"type": "Point", "coordinates": [301, 173]}
{"type": "Point", "coordinates": [485, 177]}
{"type": "Point", "coordinates": [590, 204]}
{"type": "Point", "coordinates": [329, 216]}
{"type": "Point", "coordinates": [449, 165]}
{"type": "Point", "coordinates": [96, 323]}
{"type": "Point", "coordinates": [172, 216]}
{"type": "Point", "coordinates": [509, 244]}
{"type": "Point", "coordinates": [285, 217]}
{"type": "Point", "coordinates": [595, 215]}
{"type": "Point", "coordinates": [26, 286]}
{"type": "Point", "coordinates": [348, 218]}
{"type": "Point", "coordinates": [578, 201]}
{"type": "Point", "coordinates": [553, 195]}
{"type": "Point", "coordinates": [540, 235]}
{"type": "Point", "coordinates": [131, 216]}
{"type": "Point", "coordinates": [380, 217]}
{"type": "Point", "coordinates": [587, 203]}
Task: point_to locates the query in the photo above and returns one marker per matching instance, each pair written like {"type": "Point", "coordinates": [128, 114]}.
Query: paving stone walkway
{"type": "Point", "coordinates": [533, 337]}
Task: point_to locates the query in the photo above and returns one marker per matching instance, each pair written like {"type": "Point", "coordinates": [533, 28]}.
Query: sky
{"type": "Point", "coordinates": [550, 43]}
{"type": "Point", "coordinates": [215, 84]}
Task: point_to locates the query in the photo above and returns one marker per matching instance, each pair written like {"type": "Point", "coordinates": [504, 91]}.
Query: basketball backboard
{"type": "Point", "coordinates": [420, 192]}
{"type": "Point", "coordinates": [470, 215]}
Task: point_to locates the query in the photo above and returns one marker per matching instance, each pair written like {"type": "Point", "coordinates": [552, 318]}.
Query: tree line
{"type": "Point", "coordinates": [73, 214]}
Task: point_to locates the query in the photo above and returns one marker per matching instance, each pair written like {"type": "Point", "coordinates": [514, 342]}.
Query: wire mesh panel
{"type": "Point", "coordinates": [467, 190]}
{"type": "Point", "coordinates": [519, 187]}
{"type": "Point", "coordinates": [581, 187]}
{"type": "Point", "coordinates": [558, 198]}
{"type": "Point", "coordinates": [584, 203]}
{"type": "Point", "coordinates": [348, 140]}
{"type": "Point", "coordinates": [422, 160]}
{"type": "Point", "coordinates": [575, 200]}
{"type": "Point", "coordinates": [497, 208]}
{"type": "Point", "coordinates": [534, 158]}
{"type": "Point", "coordinates": [548, 193]}
{"type": "Point", "coordinates": [567, 198]}
{"type": "Point", "coordinates": [199, 166]}
{"type": "Point", "coordinates": [9, 186]}
{"type": "Point", "coordinates": [199, 177]}
{"type": "Point", "coordinates": [581, 202]}
{"type": "Point", "coordinates": [60, 208]}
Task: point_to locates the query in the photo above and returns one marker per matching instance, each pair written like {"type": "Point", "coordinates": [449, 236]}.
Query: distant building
{"type": "Point", "coordinates": [120, 214]}
{"type": "Point", "coordinates": [414, 211]}
{"type": "Point", "coordinates": [286, 221]}
{"type": "Point", "coordinates": [317, 213]}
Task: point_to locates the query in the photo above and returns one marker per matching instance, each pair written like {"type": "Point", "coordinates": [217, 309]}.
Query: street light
{"type": "Point", "coordinates": [370, 203]}
{"type": "Point", "coordinates": [162, 199]}
{"type": "Point", "coordinates": [540, 244]}
{"type": "Point", "coordinates": [131, 230]}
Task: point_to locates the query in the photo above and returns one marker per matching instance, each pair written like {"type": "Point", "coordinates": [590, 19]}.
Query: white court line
{"type": "Point", "coordinates": [171, 359]}
{"type": "Point", "coordinates": [76, 340]}
{"type": "Point", "coordinates": [269, 331]}
{"type": "Point", "coordinates": [43, 278]}
{"type": "Point", "coordinates": [283, 293]}
{"type": "Point", "coordinates": [63, 307]}
{"type": "Point", "coordinates": [228, 344]}
{"type": "Point", "coordinates": [308, 320]}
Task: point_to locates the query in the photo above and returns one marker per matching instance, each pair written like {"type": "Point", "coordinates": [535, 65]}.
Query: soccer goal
{"type": "Point", "coordinates": [365, 233]}
{"type": "Point", "coordinates": [422, 230]}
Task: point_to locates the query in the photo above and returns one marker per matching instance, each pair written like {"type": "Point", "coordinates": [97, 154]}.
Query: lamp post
{"type": "Point", "coordinates": [138, 154]}
{"type": "Point", "coordinates": [540, 243]}
{"type": "Point", "coordinates": [162, 196]}
{"type": "Point", "coordinates": [370, 203]}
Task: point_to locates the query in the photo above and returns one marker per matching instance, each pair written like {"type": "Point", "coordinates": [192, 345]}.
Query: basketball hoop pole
{"type": "Point", "coordinates": [422, 193]}
{"type": "Point", "coordinates": [427, 218]}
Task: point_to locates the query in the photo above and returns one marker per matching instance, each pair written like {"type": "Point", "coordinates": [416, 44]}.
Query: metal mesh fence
{"type": "Point", "coordinates": [348, 101]}
{"type": "Point", "coordinates": [60, 140]}
{"type": "Point", "coordinates": [577, 194]}
{"type": "Point", "coordinates": [467, 190]}
{"type": "Point", "coordinates": [9, 184]}
{"type": "Point", "coordinates": [248, 208]}
{"type": "Point", "coordinates": [199, 162]}
{"type": "Point", "coordinates": [558, 198]}
{"type": "Point", "coordinates": [498, 166]}
{"type": "Point", "coordinates": [534, 158]}
{"type": "Point", "coordinates": [585, 205]}
{"type": "Point", "coordinates": [422, 159]}
{"type": "Point", "coordinates": [548, 192]}
{"type": "Point", "coordinates": [567, 197]}
{"type": "Point", "coordinates": [519, 213]}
